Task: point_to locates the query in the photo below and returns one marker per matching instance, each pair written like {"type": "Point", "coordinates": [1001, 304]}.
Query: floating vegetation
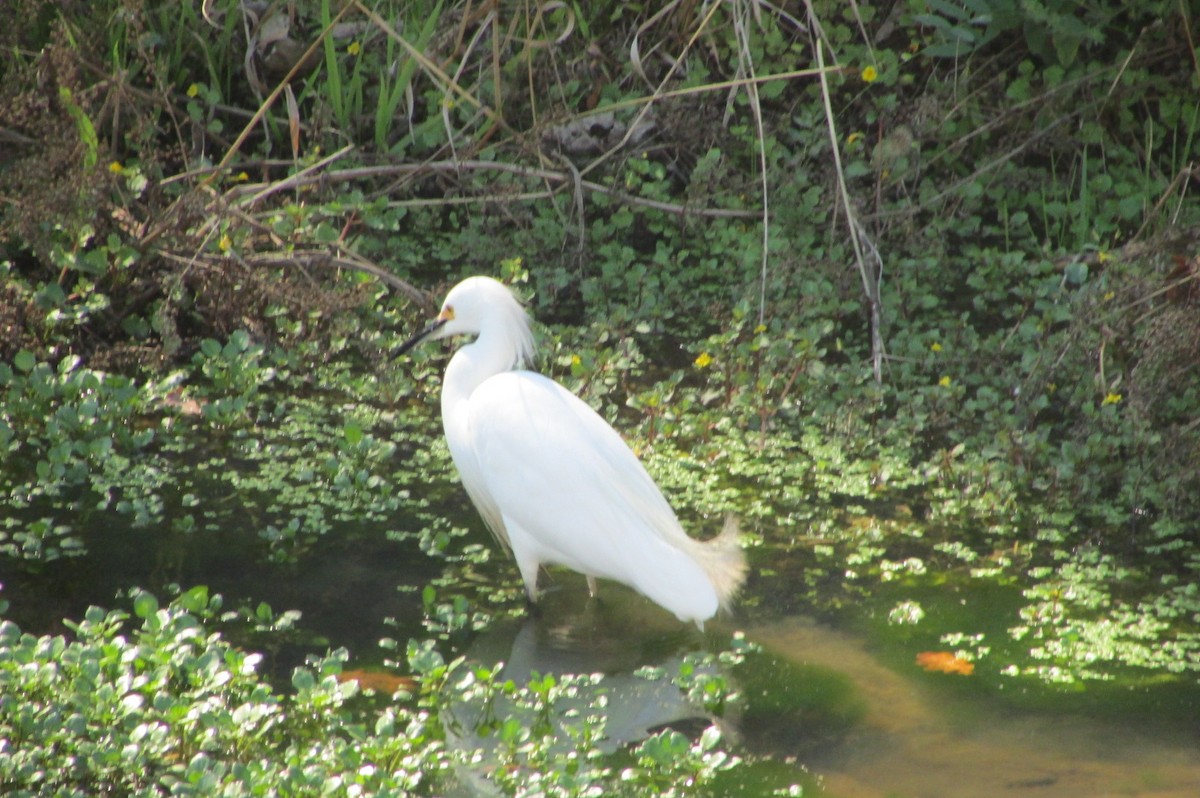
{"type": "Point", "coordinates": [937, 356]}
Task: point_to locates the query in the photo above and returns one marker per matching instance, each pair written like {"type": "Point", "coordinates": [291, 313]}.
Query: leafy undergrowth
{"type": "Point", "coordinates": [837, 524]}
{"type": "Point", "coordinates": [925, 318]}
{"type": "Point", "coordinates": [851, 502]}
{"type": "Point", "coordinates": [160, 703]}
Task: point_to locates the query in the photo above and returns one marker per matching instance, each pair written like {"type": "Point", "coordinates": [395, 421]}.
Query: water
{"type": "Point", "coordinates": [841, 708]}
{"type": "Point", "coordinates": [923, 736]}
{"type": "Point", "coordinates": [346, 590]}
{"type": "Point", "coordinates": [821, 701]}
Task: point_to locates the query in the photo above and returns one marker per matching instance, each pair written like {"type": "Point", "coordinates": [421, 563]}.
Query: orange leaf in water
{"type": "Point", "coordinates": [378, 681]}
{"type": "Point", "coordinates": [944, 662]}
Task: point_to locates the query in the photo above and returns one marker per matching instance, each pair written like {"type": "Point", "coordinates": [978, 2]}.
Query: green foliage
{"type": "Point", "coordinates": [550, 732]}
{"type": "Point", "coordinates": [1055, 31]}
{"type": "Point", "coordinates": [1080, 625]}
{"type": "Point", "coordinates": [235, 373]}
{"type": "Point", "coordinates": [168, 707]}
{"type": "Point", "coordinates": [84, 126]}
{"type": "Point", "coordinates": [157, 703]}
{"type": "Point", "coordinates": [1020, 169]}
{"type": "Point", "coordinates": [63, 427]}
{"type": "Point", "coordinates": [79, 442]}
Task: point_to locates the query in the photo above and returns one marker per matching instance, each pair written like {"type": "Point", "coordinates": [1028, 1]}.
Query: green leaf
{"type": "Point", "coordinates": [195, 600]}
{"type": "Point", "coordinates": [84, 126]}
{"type": "Point", "coordinates": [326, 233]}
{"type": "Point", "coordinates": [303, 680]}
{"type": "Point", "coordinates": [24, 361]}
{"type": "Point", "coordinates": [144, 605]}
{"type": "Point", "coordinates": [1130, 207]}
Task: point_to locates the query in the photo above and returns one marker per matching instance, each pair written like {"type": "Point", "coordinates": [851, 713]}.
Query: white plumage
{"type": "Point", "coordinates": [552, 480]}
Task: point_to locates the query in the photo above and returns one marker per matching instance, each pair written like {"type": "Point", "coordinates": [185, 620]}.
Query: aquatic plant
{"type": "Point", "coordinates": [158, 702]}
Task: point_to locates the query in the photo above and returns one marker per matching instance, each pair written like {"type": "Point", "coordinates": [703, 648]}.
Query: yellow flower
{"type": "Point", "coordinates": [116, 168]}
{"type": "Point", "coordinates": [944, 381]}
{"type": "Point", "coordinates": [760, 329]}
{"type": "Point", "coordinates": [1103, 257]}
{"type": "Point", "coordinates": [935, 347]}
{"type": "Point", "coordinates": [193, 90]}
{"type": "Point", "coordinates": [1111, 399]}
{"type": "Point", "coordinates": [869, 74]}
{"type": "Point", "coordinates": [226, 243]}
{"type": "Point", "coordinates": [576, 360]}
{"type": "Point", "coordinates": [853, 137]}
{"type": "Point", "coordinates": [704, 360]}
{"type": "Point", "coordinates": [241, 177]}
{"type": "Point", "coordinates": [1108, 296]}
{"type": "Point", "coordinates": [354, 49]}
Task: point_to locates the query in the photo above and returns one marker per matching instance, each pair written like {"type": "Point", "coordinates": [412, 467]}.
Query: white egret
{"type": "Point", "coordinates": [553, 481]}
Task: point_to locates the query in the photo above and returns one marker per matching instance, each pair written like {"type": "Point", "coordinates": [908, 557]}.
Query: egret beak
{"type": "Point", "coordinates": [433, 327]}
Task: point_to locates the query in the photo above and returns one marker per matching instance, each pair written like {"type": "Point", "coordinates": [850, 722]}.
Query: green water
{"type": "Point", "coordinates": [837, 704]}
{"type": "Point", "coordinates": [838, 708]}
{"type": "Point", "coordinates": [943, 735]}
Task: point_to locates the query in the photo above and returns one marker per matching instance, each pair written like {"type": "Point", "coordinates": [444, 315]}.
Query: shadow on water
{"type": "Point", "coordinates": [613, 637]}
{"type": "Point", "coordinates": [572, 633]}
{"type": "Point", "coordinates": [351, 589]}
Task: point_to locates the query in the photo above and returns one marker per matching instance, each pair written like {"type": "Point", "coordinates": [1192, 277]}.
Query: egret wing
{"type": "Point", "coordinates": [473, 479]}
{"type": "Point", "coordinates": [569, 487]}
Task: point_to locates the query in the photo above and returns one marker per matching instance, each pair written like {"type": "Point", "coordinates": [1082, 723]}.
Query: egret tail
{"type": "Point", "coordinates": [724, 561]}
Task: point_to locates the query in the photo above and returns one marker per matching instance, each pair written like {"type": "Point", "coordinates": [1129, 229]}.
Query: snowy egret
{"type": "Point", "coordinates": [553, 481]}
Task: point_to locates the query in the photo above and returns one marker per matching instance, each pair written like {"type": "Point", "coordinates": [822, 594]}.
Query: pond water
{"type": "Point", "coordinates": [350, 593]}
{"type": "Point", "coordinates": [818, 699]}
{"type": "Point", "coordinates": [835, 704]}
{"type": "Point", "coordinates": [925, 736]}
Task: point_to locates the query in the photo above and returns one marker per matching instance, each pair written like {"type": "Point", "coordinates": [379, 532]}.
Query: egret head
{"type": "Point", "coordinates": [481, 306]}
